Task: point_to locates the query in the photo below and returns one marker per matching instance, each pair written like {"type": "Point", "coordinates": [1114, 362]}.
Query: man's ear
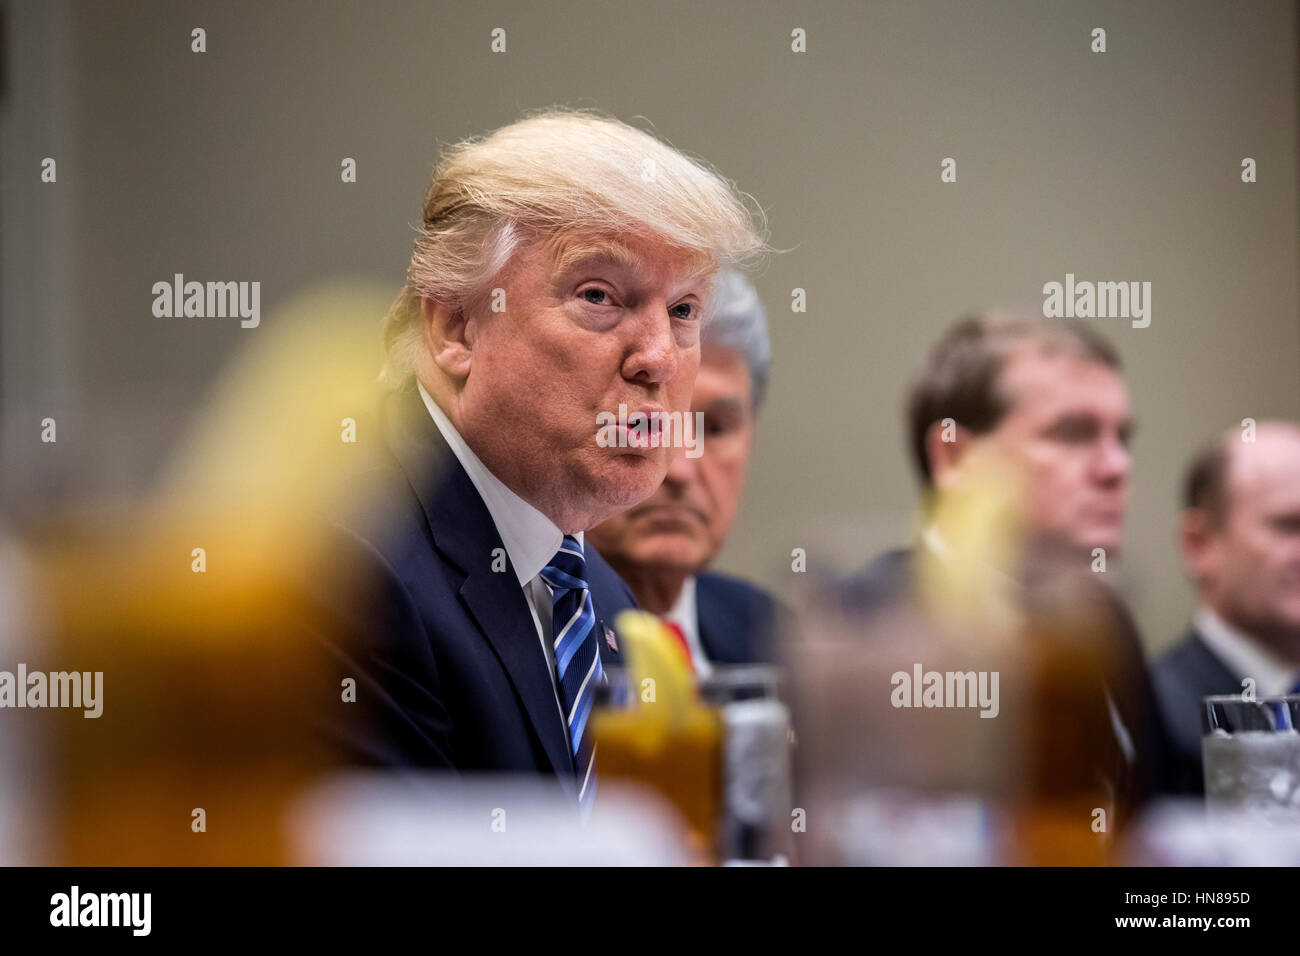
{"type": "Point", "coordinates": [1196, 542]}
{"type": "Point", "coordinates": [447, 337]}
{"type": "Point", "coordinates": [946, 443]}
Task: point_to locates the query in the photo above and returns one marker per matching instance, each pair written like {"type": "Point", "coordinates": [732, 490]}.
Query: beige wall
{"type": "Point", "coordinates": [1117, 166]}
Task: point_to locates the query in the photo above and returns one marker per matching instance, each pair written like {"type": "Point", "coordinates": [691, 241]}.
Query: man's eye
{"type": "Point", "coordinates": [683, 310]}
{"type": "Point", "coordinates": [722, 422]}
{"type": "Point", "coordinates": [1074, 430]}
{"type": "Point", "coordinates": [595, 296]}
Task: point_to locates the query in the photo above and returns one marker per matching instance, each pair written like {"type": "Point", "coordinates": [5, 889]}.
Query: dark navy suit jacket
{"type": "Point", "coordinates": [739, 623]}
{"type": "Point", "coordinates": [434, 625]}
{"type": "Point", "coordinates": [1183, 675]}
{"type": "Point", "coordinates": [890, 579]}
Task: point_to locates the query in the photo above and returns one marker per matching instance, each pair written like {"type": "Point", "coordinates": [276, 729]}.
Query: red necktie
{"type": "Point", "coordinates": [678, 633]}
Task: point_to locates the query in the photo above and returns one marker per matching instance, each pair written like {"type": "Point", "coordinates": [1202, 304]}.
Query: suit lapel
{"type": "Point", "coordinates": [464, 533]}
{"type": "Point", "coordinates": [1212, 675]}
{"type": "Point", "coordinates": [501, 612]}
{"type": "Point", "coordinates": [606, 605]}
{"type": "Point", "coordinates": [712, 631]}
{"type": "Point", "coordinates": [723, 626]}
{"type": "Point", "coordinates": [607, 640]}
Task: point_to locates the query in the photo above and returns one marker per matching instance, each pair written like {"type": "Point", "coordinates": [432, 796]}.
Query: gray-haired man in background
{"type": "Point", "coordinates": [663, 546]}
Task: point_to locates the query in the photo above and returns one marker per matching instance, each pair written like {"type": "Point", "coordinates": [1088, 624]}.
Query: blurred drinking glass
{"type": "Point", "coordinates": [645, 739]}
{"type": "Point", "coordinates": [1251, 749]}
{"type": "Point", "coordinates": [756, 761]}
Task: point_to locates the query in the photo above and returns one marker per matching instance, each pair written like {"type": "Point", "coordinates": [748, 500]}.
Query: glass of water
{"type": "Point", "coordinates": [1251, 750]}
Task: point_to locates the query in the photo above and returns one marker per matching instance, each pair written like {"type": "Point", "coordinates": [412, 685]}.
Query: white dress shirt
{"type": "Point", "coordinates": [530, 538]}
{"type": "Point", "coordinates": [686, 615]}
{"type": "Point", "coordinates": [1245, 656]}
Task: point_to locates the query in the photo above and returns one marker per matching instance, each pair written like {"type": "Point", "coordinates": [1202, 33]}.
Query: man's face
{"type": "Point", "coordinates": [1067, 433]}
{"type": "Point", "coordinates": [1252, 569]}
{"type": "Point", "coordinates": [587, 325]}
{"type": "Point", "coordinates": [682, 526]}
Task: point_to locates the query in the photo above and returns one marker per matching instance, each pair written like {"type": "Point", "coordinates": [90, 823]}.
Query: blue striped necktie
{"type": "Point", "coordinates": [1282, 714]}
{"type": "Point", "coordinates": [577, 656]}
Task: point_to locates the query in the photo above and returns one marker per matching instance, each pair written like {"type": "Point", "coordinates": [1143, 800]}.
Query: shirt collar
{"type": "Point", "coordinates": [1244, 655]}
{"type": "Point", "coordinates": [683, 613]}
{"type": "Point", "coordinates": [933, 540]}
{"type": "Point", "coordinates": [531, 539]}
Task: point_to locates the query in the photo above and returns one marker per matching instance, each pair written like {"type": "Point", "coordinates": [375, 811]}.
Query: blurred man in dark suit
{"type": "Point", "coordinates": [1047, 397]}
{"type": "Point", "coordinates": [663, 546]}
{"type": "Point", "coordinates": [1240, 538]}
{"type": "Point", "coordinates": [564, 268]}
{"type": "Point", "coordinates": [1050, 395]}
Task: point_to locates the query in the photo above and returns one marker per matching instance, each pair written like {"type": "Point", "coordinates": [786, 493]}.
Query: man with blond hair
{"type": "Point", "coordinates": [564, 268]}
{"type": "Point", "coordinates": [664, 546]}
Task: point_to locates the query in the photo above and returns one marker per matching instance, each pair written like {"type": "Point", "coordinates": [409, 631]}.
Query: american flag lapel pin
{"type": "Point", "coordinates": [609, 637]}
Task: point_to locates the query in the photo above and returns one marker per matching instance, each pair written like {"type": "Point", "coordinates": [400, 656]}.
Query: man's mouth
{"type": "Point", "coordinates": [1104, 513]}
{"type": "Point", "coordinates": [671, 513]}
{"type": "Point", "coordinates": [644, 428]}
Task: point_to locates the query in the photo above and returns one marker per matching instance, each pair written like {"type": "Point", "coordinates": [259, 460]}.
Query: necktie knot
{"type": "Point", "coordinates": [567, 571]}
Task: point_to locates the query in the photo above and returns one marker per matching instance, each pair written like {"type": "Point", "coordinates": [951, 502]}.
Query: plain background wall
{"type": "Point", "coordinates": [225, 166]}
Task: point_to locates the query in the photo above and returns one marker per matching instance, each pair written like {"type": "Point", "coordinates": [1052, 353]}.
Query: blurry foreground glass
{"type": "Point", "coordinates": [755, 761]}
{"type": "Point", "coordinates": [722, 761]}
{"type": "Point", "coordinates": [1251, 750]}
{"type": "Point", "coordinates": [677, 755]}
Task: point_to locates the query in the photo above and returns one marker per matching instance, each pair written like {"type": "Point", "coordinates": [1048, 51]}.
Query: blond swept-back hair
{"type": "Point", "coordinates": [548, 175]}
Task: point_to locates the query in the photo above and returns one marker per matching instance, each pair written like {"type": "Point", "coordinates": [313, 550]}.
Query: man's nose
{"type": "Point", "coordinates": [653, 353]}
{"type": "Point", "coordinates": [1113, 461]}
{"type": "Point", "coordinates": [681, 469]}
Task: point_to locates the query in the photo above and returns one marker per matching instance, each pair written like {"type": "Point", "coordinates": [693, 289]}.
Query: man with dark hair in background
{"type": "Point", "coordinates": [1240, 539]}
{"type": "Point", "coordinates": [1048, 398]}
{"type": "Point", "coordinates": [1051, 396]}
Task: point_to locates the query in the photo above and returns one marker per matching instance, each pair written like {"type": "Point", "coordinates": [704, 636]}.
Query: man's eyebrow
{"type": "Point", "coordinates": [573, 254]}
{"type": "Point", "coordinates": [1073, 419]}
